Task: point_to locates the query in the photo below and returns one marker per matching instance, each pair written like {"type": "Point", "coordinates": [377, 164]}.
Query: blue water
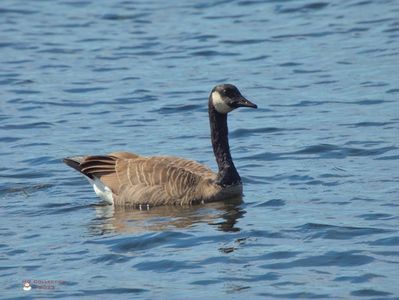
{"type": "Point", "coordinates": [319, 158]}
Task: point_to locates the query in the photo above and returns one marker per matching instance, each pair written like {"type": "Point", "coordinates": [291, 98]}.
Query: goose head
{"type": "Point", "coordinates": [227, 97]}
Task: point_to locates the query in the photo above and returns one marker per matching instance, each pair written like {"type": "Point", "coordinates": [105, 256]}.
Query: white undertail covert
{"type": "Point", "coordinates": [101, 190]}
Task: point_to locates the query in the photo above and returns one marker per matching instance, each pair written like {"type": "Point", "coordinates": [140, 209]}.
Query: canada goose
{"type": "Point", "coordinates": [127, 179]}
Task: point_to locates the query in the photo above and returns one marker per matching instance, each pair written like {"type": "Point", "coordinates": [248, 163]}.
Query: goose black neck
{"type": "Point", "coordinates": [227, 174]}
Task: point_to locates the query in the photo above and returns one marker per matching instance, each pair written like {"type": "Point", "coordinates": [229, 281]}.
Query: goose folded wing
{"type": "Point", "coordinates": [156, 181]}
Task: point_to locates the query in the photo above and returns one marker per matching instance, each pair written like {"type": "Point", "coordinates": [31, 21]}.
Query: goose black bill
{"type": "Point", "coordinates": [243, 102]}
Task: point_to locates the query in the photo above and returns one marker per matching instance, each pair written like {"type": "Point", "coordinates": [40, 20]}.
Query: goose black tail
{"type": "Point", "coordinates": [74, 162]}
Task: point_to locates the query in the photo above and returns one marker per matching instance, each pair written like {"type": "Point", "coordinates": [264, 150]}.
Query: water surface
{"type": "Point", "coordinates": [319, 158]}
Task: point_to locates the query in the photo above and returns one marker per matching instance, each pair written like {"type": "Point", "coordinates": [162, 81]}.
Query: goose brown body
{"type": "Point", "coordinates": [133, 180]}
{"type": "Point", "coordinates": [159, 180]}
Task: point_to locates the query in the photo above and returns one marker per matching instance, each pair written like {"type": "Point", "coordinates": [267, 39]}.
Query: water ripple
{"type": "Point", "coordinates": [325, 151]}
{"type": "Point", "coordinates": [332, 258]}
{"type": "Point", "coordinates": [318, 158]}
{"type": "Point", "coordinates": [303, 8]}
{"type": "Point", "coordinates": [370, 293]}
{"type": "Point", "coordinates": [325, 231]}
{"type": "Point", "coordinates": [358, 279]}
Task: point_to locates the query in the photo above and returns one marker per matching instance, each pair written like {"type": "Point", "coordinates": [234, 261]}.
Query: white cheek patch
{"type": "Point", "coordinates": [219, 104]}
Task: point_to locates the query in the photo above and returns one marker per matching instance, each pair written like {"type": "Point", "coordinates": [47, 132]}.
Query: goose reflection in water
{"type": "Point", "coordinates": [223, 215]}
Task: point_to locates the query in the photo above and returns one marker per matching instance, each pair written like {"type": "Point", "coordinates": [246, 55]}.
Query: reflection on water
{"type": "Point", "coordinates": [224, 215]}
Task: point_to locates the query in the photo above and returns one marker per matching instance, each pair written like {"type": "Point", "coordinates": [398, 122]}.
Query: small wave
{"type": "Point", "coordinates": [243, 132]}
{"type": "Point", "coordinates": [332, 258]}
{"type": "Point", "coordinates": [368, 102]}
{"type": "Point", "coordinates": [111, 291]}
{"type": "Point", "coordinates": [143, 242]}
{"type": "Point", "coordinates": [255, 58]}
{"type": "Point", "coordinates": [24, 189]}
{"type": "Point", "coordinates": [271, 203]}
{"type": "Point", "coordinates": [135, 99]}
{"type": "Point", "coordinates": [10, 11]}
{"type": "Point", "coordinates": [225, 16]}
{"type": "Point", "coordinates": [334, 151]}
{"type": "Point", "coordinates": [368, 124]}
{"type": "Point", "coordinates": [376, 216]}
{"type": "Point", "coordinates": [290, 64]}
{"type": "Point", "coordinates": [244, 42]}
{"type": "Point", "coordinates": [84, 90]}
{"type": "Point", "coordinates": [42, 160]}
{"type": "Point", "coordinates": [281, 255]}
{"type": "Point", "coordinates": [324, 82]}
{"type": "Point", "coordinates": [60, 209]}
{"type": "Point", "coordinates": [247, 132]}
{"type": "Point", "coordinates": [304, 8]}
{"type": "Point", "coordinates": [370, 293]}
{"type": "Point", "coordinates": [392, 91]}
{"type": "Point", "coordinates": [324, 102]}
{"type": "Point", "coordinates": [60, 51]}
{"type": "Point", "coordinates": [9, 139]}
{"type": "Point", "coordinates": [111, 259]}
{"type": "Point", "coordinates": [209, 53]}
{"type": "Point", "coordinates": [389, 157]}
{"type": "Point", "coordinates": [54, 66]}
{"type": "Point", "coordinates": [210, 4]}
{"type": "Point", "coordinates": [304, 35]}
{"type": "Point", "coordinates": [321, 148]}
{"type": "Point", "coordinates": [164, 266]}
{"type": "Point", "coordinates": [201, 37]}
{"type": "Point", "coordinates": [391, 241]}
{"type": "Point", "coordinates": [301, 71]}
{"type": "Point", "coordinates": [55, 205]}
{"type": "Point", "coordinates": [120, 17]}
{"type": "Point", "coordinates": [25, 92]}
{"type": "Point", "coordinates": [173, 109]}
{"type": "Point", "coordinates": [333, 232]}
{"type": "Point", "coordinates": [325, 151]}
{"type": "Point", "coordinates": [302, 295]}
{"type": "Point", "coordinates": [206, 282]}
{"type": "Point", "coordinates": [301, 104]}
{"type": "Point", "coordinates": [109, 69]}
{"type": "Point", "coordinates": [358, 279]}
